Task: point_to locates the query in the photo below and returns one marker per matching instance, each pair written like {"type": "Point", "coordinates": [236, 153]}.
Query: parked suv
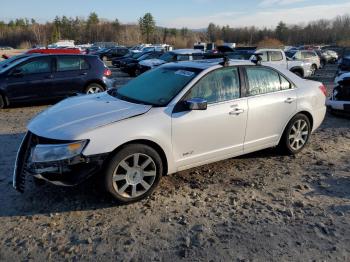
{"type": "Point", "coordinates": [308, 56]}
{"type": "Point", "coordinates": [44, 77]}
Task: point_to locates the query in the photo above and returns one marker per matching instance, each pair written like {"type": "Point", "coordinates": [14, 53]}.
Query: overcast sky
{"type": "Point", "coordinates": [194, 14]}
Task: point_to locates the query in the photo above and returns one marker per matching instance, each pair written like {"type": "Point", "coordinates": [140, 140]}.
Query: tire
{"type": "Point", "coordinates": [295, 136]}
{"type": "Point", "coordinates": [2, 102]}
{"type": "Point", "coordinates": [94, 88]}
{"type": "Point", "coordinates": [125, 180]}
{"type": "Point", "coordinates": [313, 69]}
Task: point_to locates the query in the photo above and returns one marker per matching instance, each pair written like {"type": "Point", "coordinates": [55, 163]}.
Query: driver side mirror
{"type": "Point", "coordinates": [197, 104]}
{"type": "Point", "coordinates": [17, 73]}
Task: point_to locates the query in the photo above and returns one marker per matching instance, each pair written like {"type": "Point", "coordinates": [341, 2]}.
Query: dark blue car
{"type": "Point", "coordinates": [46, 77]}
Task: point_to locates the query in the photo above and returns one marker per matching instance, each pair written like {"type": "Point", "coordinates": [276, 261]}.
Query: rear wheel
{"type": "Point", "coordinates": [296, 134]}
{"type": "Point", "coordinates": [133, 173]}
{"type": "Point", "coordinates": [94, 88]}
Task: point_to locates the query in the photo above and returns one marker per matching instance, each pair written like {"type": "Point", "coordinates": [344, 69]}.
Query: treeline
{"type": "Point", "coordinates": [27, 32]}
{"type": "Point", "coordinates": [24, 33]}
{"type": "Point", "coordinates": [335, 31]}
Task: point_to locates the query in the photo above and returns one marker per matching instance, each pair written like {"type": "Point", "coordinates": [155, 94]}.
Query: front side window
{"type": "Point", "coordinates": [262, 80]}
{"type": "Point", "coordinates": [40, 65]}
{"type": "Point", "coordinates": [217, 86]}
{"type": "Point", "coordinates": [276, 56]}
{"type": "Point", "coordinates": [71, 64]}
{"type": "Point", "coordinates": [156, 87]}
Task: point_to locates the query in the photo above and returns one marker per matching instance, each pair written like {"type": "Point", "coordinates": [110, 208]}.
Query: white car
{"type": "Point", "coordinates": [175, 117]}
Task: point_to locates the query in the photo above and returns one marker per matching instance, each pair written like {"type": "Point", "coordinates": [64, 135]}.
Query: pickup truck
{"type": "Point", "coordinates": [278, 57]}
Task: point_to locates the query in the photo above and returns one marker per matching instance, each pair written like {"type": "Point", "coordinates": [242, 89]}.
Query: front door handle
{"type": "Point", "coordinates": [237, 111]}
{"type": "Point", "coordinates": [289, 100]}
{"type": "Point", "coordinates": [83, 74]}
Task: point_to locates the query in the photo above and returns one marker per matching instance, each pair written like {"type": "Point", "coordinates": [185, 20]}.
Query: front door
{"type": "Point", "coordinates": [216, 133]}
{"type": "Point", "coordinates": [28, 81]}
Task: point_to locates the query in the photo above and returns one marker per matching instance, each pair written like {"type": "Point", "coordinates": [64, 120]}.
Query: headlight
{"type": "Point", "coordinates": [56, 152]}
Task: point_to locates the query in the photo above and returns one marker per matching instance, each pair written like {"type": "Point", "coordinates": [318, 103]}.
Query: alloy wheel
{"type": "Point", "coordinates": [298, 135]}
{"type": "Point", "coordinates": [94, 90]}
{"type": "Point", "coordinates": [134, 175]}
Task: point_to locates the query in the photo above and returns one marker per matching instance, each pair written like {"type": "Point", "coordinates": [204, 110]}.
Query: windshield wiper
{"type": "Point", "coordinates": [115, 93]}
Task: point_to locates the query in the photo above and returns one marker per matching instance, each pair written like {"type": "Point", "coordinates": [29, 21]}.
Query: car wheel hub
{"type": "Point", "coordinates": [134, 175]}
{"type": "Point", "coordinates": [298, 134]}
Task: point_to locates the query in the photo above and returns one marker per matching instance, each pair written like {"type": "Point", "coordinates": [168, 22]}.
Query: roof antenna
{"type": "Point", "coordinates": [257, 58]}
{"type": "Point", "coordinates": [226, 61]}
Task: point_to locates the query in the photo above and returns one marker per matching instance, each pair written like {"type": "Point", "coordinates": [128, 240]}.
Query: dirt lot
{"type": "Point", "coordinates": [259, 207]}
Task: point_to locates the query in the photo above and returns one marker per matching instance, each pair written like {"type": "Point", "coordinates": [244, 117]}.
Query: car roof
{"type": "Point", "coordinates": [186, 51]}
{"type": "Point", "coordinates": [207, 63]}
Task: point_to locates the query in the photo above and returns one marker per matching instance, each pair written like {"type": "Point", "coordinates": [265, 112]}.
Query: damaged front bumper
{"type": "Point", "coordinates": [67, 172]}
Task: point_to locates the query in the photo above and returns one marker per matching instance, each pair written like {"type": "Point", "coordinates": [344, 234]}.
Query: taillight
{"type": "Point", "coordinates": [107, 72]}
{"type": "Point", "coordinates": [323, 89]}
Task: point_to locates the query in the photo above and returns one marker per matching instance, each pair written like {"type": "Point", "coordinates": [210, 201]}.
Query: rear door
{"type": "Point", "coordinates": [30, 79]}
{"type": "Point", "coordinates": [70, 75]}
{"type": "Point", "coordinates": [272, 101]}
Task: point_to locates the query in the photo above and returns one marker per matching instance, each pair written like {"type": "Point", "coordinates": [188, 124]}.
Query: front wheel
{"type": "Point", "coordinates": [296, 134]}
{"type": "Point", "coordinates": [133, 173]}
{"type": "Point", "coordinates": [94, 88]}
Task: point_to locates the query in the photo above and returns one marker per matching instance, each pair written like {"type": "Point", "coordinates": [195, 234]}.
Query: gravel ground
{"type": "Point", "coordinates": [258, 207]}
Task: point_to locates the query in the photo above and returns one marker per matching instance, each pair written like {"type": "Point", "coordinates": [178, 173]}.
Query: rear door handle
{"type": "Point", "coordinates": [289, 100]}
{"type": "Point", "coordinates": [83, 74]}
{"type": "Point", "coordinates": [49, 77]}
{"type": "Point", "coordinates": [237, 111]}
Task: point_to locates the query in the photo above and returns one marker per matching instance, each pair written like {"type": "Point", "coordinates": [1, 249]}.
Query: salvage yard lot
{"type": "Point", "coordinates": [258, 207]}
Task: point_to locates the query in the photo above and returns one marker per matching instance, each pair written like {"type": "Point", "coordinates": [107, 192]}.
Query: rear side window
{"type": "Point", "coordinates": [40, 65]}
{"type": "Point", "coordinates": [71, 64]}
{"type": "Point", "coordinates": [217, 86]}
{"type": "Point", "coordinates": [262, 80]}
{"type": "Point", "coordinates": [276, 56]}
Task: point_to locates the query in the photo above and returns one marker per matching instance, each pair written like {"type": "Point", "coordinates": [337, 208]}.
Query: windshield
{"type": "Point", "coordinates": [156, 87]}
{"type": "Point", "coordinates": [168, 57]}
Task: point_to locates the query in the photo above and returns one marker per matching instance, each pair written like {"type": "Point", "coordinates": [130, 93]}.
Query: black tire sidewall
{"type": "Point", "coordinates": [285, 139]}
{"type": "Point", "coordinates": [122, 154]}
{"type": "Point", "coordinates": [2, 102]}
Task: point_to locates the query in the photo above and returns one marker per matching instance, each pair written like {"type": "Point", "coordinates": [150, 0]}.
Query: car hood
{"type": "Point", "coordinates": [152, 62]}
{"type": "Point", "coordinates": [75, 116]}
